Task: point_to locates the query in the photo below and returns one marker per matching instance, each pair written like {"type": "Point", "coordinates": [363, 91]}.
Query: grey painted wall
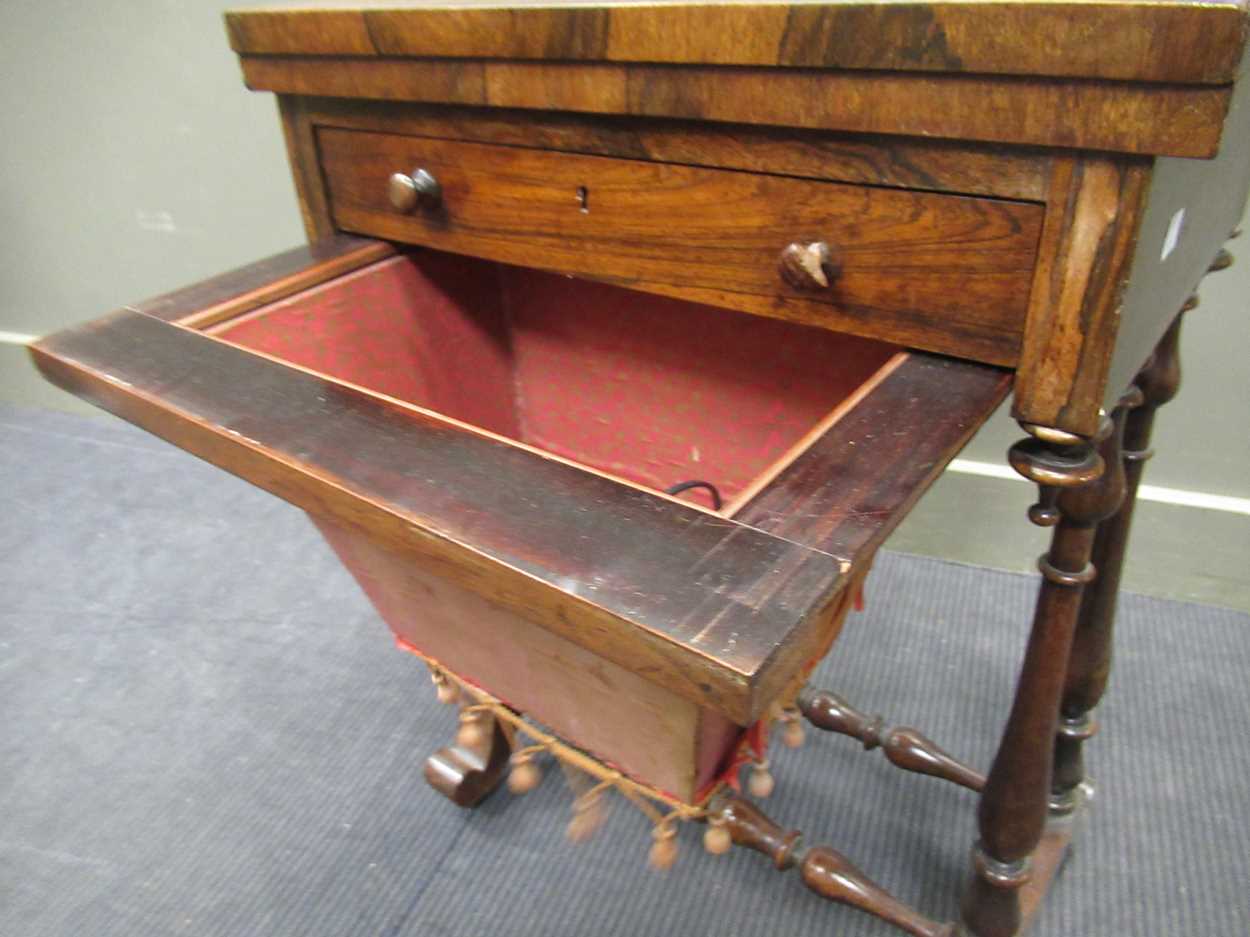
{"type": "Point", "coordinates": [137, 162]}
{"type": "Point", "coordinates": [136, 159]}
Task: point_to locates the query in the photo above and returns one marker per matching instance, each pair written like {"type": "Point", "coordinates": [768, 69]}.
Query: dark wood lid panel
{"type": "Point", "coordinates": [940, 272]}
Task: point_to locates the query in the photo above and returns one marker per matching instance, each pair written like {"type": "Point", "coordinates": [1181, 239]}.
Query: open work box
{"type": "Point", "coordinates": [487, 449]}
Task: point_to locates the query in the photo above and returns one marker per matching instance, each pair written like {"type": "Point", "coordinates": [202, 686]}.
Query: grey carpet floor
{"type": "Point", "coordinates": [205, 730]}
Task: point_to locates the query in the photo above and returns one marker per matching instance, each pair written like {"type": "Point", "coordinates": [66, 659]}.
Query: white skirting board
{"type": "Point", "coordinates": [1178, 496]}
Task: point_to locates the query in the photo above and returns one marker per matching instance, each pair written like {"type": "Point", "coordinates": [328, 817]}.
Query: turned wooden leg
{"type": "Point", "coordinates": [1090, 665]}
{"type": "Point", "coordinates": [468, 770]}
{"type": "Point", "coordinates": [1076, 495]}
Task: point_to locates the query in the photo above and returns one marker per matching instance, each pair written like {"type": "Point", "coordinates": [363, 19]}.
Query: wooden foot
{"type": "Point", "coordinates": [825, 871]}
{"type": "Point", "coordinates": [466, 771]}
{"type": "Point", "coordinates": [904, 747]}
{"type": "Point", "coordinates": [1012, 814]}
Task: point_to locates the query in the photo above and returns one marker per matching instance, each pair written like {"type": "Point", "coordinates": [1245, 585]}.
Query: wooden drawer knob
{"type": "Point", "coordinates": [809, 266]}
{"type": "Point", "coordinates": [408, 190]}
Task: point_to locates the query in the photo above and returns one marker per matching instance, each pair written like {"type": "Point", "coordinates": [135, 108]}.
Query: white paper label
{"type": "Point", "coordinates": [1173, 237]}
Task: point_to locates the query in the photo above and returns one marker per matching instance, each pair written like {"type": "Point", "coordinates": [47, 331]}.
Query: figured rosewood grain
{"type": "Point", "coordinates": [266, 280]}
{"type": "Point", "coordinates": [904, 747]}
{"type": "Point", "coordinates": [1088, 238]}
{"type": "Point", "coordinates": [1171, 120]}
{"type": "Point", "coordinates": [1182, 42]}
{"type": "Point", "coordinates": [934, 165]}
{"type": "Point", "coordinates": [856, 483]}
{"type": "Point", "coordinates": [696, 602]}
{"type": "Point", "coordinates": [467, 774]}
{"type": "Point", "coordinates": [940, 272]}
{"type": "Point", "coordinates": [825, 871]}
{"type": "Point", "coordinates": [301, 154]}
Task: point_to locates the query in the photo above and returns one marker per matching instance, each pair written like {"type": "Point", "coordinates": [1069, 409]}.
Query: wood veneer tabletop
{"type": "Point", "coordinates": [1168, 41]}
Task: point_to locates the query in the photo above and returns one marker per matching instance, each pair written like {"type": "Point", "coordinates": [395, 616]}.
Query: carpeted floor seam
{"type": "Point", "coordinates": [424, 885]}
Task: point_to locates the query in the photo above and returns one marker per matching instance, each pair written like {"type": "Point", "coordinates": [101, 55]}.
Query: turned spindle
{"type": "Point", "coordinates": [748, 827]}
{"type": "Point", "coordinates": [904, 747]}
{"type": "Point", "coordinates": [1090, 666]}
{"type": "Point", "coordinates": [825, 871]}
{"type": "Point", "coordinates": [1089, 663]}
{"type": "Point", "coordinates": [831, 875]}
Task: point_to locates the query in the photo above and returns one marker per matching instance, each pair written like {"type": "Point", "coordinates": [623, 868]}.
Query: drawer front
{"type": "Point", "coordinates": [940, 272]}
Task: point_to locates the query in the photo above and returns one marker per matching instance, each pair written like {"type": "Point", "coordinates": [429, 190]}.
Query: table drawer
{"type": "Point", "coordinates": [940, 272]}
{"type": "Point", "coordinates": [488, 449]}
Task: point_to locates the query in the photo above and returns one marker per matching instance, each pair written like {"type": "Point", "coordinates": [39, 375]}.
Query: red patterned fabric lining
{"type": "Point", "coordinates": [654, 390]}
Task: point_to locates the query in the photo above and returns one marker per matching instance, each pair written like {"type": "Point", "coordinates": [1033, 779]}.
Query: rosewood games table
{"type": "Point", "coordinates": [626, 333]}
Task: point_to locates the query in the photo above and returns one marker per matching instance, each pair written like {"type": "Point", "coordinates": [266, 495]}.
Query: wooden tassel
{"type": "Point", "coordinates": [761, 782]}
{"type": "Point", "coordinates": [792, 735]}
{"type": "Point", "coordinates": [471, 733]}
{"type": "Point", "coordinates": [664, 848]}
{"type": "Point", "coordinates": [716, 838]}
{"type": "Point", "coordinates": [587, 818]}
{"type": "Point", "coordinates": [446, 689]}
{"type": "Point", "coordinates": [525, 775]}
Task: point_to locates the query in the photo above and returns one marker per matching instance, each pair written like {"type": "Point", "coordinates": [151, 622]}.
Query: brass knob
{"type": "Point", "coordinates": [809, 266]}
{"type": "Point", "coordinates": [408, 190]}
